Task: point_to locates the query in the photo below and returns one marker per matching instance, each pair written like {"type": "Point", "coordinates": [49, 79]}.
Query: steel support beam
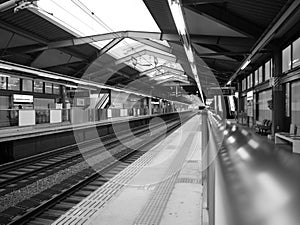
{"type": "Point", "coordinates": [176, 71]}
{"type": "Point", "coordinates": [109, 46]}
{"type": "Point", "coordinates": [201, 2]}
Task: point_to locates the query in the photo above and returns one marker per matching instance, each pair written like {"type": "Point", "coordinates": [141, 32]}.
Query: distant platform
{"type": "Point", "coordinates": [14, 133]}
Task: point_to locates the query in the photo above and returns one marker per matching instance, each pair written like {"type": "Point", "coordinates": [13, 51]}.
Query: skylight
{"type": "Point", "coordinates": [90, 17]}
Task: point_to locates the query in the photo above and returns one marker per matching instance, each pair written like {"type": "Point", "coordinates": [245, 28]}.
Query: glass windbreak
{"type": "Point", "coordinates": [264, 112]}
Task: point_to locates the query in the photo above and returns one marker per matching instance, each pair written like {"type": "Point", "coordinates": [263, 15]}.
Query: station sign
{"type": "Point", "coordinates": [22, 98]}
{"type": "Point", "coordinates": [227, 91]}
{"type": "Point", "coordinates": [249, 95]}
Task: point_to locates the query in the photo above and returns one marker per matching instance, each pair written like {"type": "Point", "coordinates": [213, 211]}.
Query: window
{"type": "Point", "coordinates": [295, 106]}
{"type": "Point", "coordinates": [56, 89]}
{"type": "Point", "coordinates": [244, 83]}
{"type": "Point", "coordinates": [296, 53]}
{"type": "Point", "coordinates": [38, 86]}
{"type": "Point", "coordinates": [268, 70]}
{"type": "Point", "coordinates": [256, 77]}
{"type": "Point", "coordinates": [260, 74]}
{"type": "Point", "coordinates": [13, 83]}
{"type": "Point", "coordinates": [263, 110]}
{"type": "Point", "coordinates": [286, 59]}
{"type": "Point", "coordinates": [27, 85]}
{"type": "Point", "coordinates": [248, 82]}
{"type": "Point", "coordinates": [287, 99]}
{"type": "Point", "coordinates": [3, 82]}
{"type": "Point", "coordinates": [48, 88]}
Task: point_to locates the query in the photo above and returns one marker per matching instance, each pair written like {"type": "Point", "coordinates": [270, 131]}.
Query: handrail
{"type": "Point", "coordinates": [255, 183]}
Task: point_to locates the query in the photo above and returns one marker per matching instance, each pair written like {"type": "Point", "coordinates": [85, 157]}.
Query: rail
{"type": "Point", "coordinates": [247, 180]}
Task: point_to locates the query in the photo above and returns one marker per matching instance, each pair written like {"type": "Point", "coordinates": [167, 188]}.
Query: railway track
{"type": "Point", "coordinates": [23, 172]}
{"type": "Point", "coordinates": [48, 205]}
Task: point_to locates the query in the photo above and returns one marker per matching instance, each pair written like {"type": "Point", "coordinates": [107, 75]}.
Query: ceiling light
{"type": "Point", "coordinates": [178, 16]}
{"type": "Point", "coordinates": [246, 64]}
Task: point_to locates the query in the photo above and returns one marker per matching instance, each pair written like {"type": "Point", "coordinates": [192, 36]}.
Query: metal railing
{"type": "Point", "coordinates": [250, 181]}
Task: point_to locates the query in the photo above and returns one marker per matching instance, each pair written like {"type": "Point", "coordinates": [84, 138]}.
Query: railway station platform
{"type": "Point", "coordinates": [14, 133]}
{"type": "Point", "coordinates": [163, 186]}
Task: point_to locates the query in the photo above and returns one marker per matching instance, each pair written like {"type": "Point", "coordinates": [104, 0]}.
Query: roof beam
{"type": "Point", "coordinates": [201, 2]}
{"type": "Point", "coordinates": [231, 55]}
{"type": "Point", "coordinates": [162, 67]}
{"type": "Point", "coordinates": [109, 46]}
{"type": "Point", "coordinates": [222, 40]}
{"type": "Point", "coordinates": [222, 53]}
{"type": "Point", "coordinates": [142, 37]}
{"type": "Point", "coordinates": [267, 37]}
{"type": "Point", "coordinates": [228, 19]}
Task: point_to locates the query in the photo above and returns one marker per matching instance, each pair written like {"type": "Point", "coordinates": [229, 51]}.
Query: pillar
{"type": "Point", "coordinates": [278, 95]}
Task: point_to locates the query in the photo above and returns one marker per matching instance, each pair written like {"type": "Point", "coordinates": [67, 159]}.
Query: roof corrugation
{"type": "Point", "coordinates": [260, 12]}
{"type": "Point", "coordinates": [35, 25]}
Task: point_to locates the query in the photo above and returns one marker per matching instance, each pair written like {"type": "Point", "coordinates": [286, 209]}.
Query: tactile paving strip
{"type": "Point", "coordinates": [152, 213]}
{"type": "Point", "coordinates": [188, 180]}
{"type": "Point", "coordinates": [83, 212]}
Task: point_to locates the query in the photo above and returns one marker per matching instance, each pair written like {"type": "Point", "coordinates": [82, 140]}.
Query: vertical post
{"type": "Point", "coordinates": [208, 190]}
{"type": "Point", "coordinates": [149, 106]}
{"type": "Point", "coordinates": [278, 112]}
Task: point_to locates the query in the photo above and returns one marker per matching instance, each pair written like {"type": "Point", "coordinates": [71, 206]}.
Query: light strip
{"type": "Point", "coordinates": [246, 64]}
{"type": "Point", "coordinates": [176, 10]}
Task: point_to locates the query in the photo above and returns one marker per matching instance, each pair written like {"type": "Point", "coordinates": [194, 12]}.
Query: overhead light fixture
{"type": "Point", "coordinates": [176, 10]}
{"type": "Point", "coordinates": [246, 64]}
{"type": "Point", "coordinates": [178, 16]}
{"type": "Point", "coordinates": [5, 67]}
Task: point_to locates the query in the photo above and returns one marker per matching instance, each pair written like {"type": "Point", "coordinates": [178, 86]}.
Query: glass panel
{"type": "Point", "coordinates": [251, 80]}
{"type": "Point", "coordinates": [260, 77]}
{"type": "Point", "coordinates": [296, 53]}
{"type": "Point", "coordinates": [286, 59]}
{"type": "Point", "coordinates": [13, 83]}
{"type": "Point", "coordinates": [56, 89]}
{"type": "Point", "coordinates": [268, 70]}
{"type": "Point", "coordinates": [38, 86]}
{"type": "Point", "coordinates": [295, 107]}
{"type": "Point", "coordinates": [263, 110]}
{"type": "Point", "coordinates": [287, 99]}
{"type": "Point", "coordinates": [27, 85]}
{"type": "Point", "coordinates": [48, 88]}
{"type": "Point", "coordinates": [248, 82]}
{"type": "Point", "coordinates": [256, 77]}
{"type": "Point", "coordinates": [3, 82]}
{"type": "Point", "coordinates": [243, 84]}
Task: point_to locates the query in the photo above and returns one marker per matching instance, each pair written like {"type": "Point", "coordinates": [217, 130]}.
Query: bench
{"type": "Point", "coordinates": [264, 127]}
{"type": "Point", "coordinates": [283, 138]}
